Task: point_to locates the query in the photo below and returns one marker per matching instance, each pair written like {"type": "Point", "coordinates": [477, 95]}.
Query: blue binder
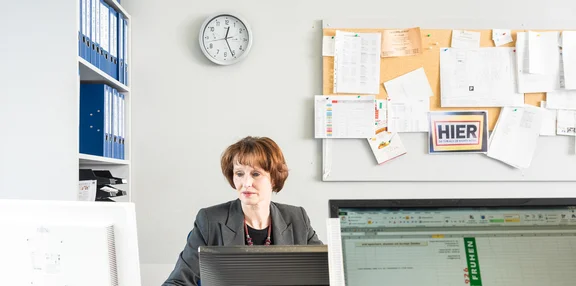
{"type": "Point", "coordinates": [126, 76]}
{"type": "Point", "coordinates": [113, 43]}
{"type": "Point", "coordinates": [122, 126]}
{"type": "Point", "coordinates": [105, 37]}
{"type": "Point", "coordinates": [120, 48]}
{"type": "Point", "coordinates": [81, 38]}
{"type": "Point", "coordinates": [92, 119]}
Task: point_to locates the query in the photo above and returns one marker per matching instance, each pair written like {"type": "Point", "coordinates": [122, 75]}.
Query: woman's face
{"type": "Point", "coordinates": [253, 184]}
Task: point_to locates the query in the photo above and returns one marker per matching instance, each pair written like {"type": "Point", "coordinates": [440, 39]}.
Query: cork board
{"type": "Point", "coordinates": [391, 68]}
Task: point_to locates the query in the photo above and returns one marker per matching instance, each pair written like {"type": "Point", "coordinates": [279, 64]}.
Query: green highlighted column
{"type": "Point", "coordinates": [472, 260]}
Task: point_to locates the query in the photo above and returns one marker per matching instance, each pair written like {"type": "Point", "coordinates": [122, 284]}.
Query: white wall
{"type": "Point", "coordinates": [39, 100]}
{"type": "Point", "coordinates": [186, 110]}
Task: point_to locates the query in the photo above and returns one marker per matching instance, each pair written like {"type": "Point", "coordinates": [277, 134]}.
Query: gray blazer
{"type": "Point", "coordinates": [224, 225]}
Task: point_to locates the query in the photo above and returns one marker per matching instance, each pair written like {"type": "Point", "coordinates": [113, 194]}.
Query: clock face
{"type": "Point", "coordinates": [225, 39]}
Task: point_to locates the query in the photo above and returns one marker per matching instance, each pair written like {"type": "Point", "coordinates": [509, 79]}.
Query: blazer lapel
{"type": "Point", "coordinates": [233, 230]}
{"type": "Point", "coordinates": [281, 232]}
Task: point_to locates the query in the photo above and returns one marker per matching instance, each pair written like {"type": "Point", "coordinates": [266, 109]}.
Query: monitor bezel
{"type": "Point", "coordinates": [335, 205]}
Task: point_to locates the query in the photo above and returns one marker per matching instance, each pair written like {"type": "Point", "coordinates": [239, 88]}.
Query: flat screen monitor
{"type": "Point", "coordinates": [490, 242]}
{"type": "Point", "coordinates": [68, 243]}
{"type": "Point", "coordinates": [264, 265]}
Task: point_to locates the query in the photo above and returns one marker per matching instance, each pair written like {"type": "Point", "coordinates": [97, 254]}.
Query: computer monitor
{"type": "Point", "coordinates": [68, 243]}
{"type": "Point", "coordinates": [490, 242]}
{"type": "Point", "coordinates": [264, 265]}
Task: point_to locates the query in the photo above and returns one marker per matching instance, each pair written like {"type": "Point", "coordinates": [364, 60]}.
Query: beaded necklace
{"type": "Point", "coordinates": [249, 239]}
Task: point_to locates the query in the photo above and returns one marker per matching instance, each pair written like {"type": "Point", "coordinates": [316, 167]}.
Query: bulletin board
{"type": "Point", "coordinates": [352, 159]}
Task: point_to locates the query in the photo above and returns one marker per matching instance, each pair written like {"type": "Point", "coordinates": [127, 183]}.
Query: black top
{"type": "Point", "coordinates": [259, 235]}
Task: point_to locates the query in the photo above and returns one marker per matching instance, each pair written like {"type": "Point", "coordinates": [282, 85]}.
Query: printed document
{"type": "Point", "coordinates": [412, 84]}
{"type": "Point", "coordinates": [514, 138]}
{"type": "Point", "coordinates": [408, 114]}
{"type": "Point", "coordinates": [335, 257]}
{"type": "Point", "coordinates": [549, 77]}
{"type": "Point", "coordinates": [566, 122]}
{"type": "Point", "coordinates": [561, 99]}
{"type": "Point", "coordinates": [548, 120]}
{"type": "Point", "coordinates": [401, 43]}
{"type": "Point", "coordinates": [465, 39]}
{"type": "Point", "coordinates": [569, 56]}
{"type": "Point", "coordinates": [344, 116]}
{"type": "Point", "coordinates": [357, 62]}
{"type": "Point", "coordinates": [481, 77]}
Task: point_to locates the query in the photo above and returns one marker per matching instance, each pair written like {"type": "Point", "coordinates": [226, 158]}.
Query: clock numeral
{"type": "Point", "coordinates": [217, 51]}
{"type": "Point", "coordinates": [217, 24]}
{"type": "Point", "coordinates": [211, 46]}
{"type": "Point", "coordinates": [241, 48]}
{"type": "Point", "coordinates": [211, 29]}
{"type": "Point", "coordinates": [234, 24]}
{"type": "Point", "coordinates": [225, 54]}
{"type": "Point", "coordinates": [206, 38]}
{"type": "Point", "coordinates": [240, 30]}
{"type": "Point", "coordinates": [245, 40]}
{"type": "Point", "coordinates": [227, 22]}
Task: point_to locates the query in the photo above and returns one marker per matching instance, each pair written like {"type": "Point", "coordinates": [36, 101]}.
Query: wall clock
{"type": "Point", "coordinates": [225, 38]}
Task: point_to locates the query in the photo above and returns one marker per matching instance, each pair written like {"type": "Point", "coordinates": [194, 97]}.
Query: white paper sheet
{"type": "Point", "coordinates": [408, 114]}
{"type": "Point", "coordinates": [536, 46]}
{"type": "Point", "coordinates": [335, 257]}
{"type": "Point", "coordinates": [357, 62]}
{"type": "Point", "coordinates": [514, 138]}
{"type": "Point", "coordinates": [386, 146]}
{"type": "Point", "coordinates": [412, 84]}
{"type": "Point", "coordinates": [569, 55]}
{"type": "Point", "coordinates": [344, 116]}
{"type": "Point", "coordinates": [548, 127]}
{"type": "Point", "coordinates": [549, 80]}
{"type": "Point", "coordinates": [328, 46]}
{"type": "Point", "coordinates": [566, 122]}
{"type": "Point", "coordinates": [481, 77]}
{"type": "Point", "coordinates": [501, 37]}
{"type": "Point", "coordinates": [465, 39]}
{"type": "Point", "coordinates": [561, 99]}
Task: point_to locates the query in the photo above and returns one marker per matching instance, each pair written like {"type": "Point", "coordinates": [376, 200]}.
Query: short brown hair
{"type": "Point", "coordinates": [256, 151]}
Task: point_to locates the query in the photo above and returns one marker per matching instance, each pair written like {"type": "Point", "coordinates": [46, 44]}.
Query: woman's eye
{"type": "Point", "coordinates": [239, 174]}
{"type": "Point", "coordinates": [256, 174]}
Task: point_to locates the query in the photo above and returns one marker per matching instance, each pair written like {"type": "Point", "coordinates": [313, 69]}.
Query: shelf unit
{"type": "Point", "coordinates": [88, 73]}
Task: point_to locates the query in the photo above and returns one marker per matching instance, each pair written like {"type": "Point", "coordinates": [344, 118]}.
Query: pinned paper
{"type": "Point", "coordinates": [412, 84]}
{"type": "Point", "coordinates": [548, 127]}
{"type": "Point", "coordinates": [386, 146]}
{"type": "Point", "coordinates": [328, 46]}
{"type": "Point", "coordinates": [501, 37]}
{"type": "Point", "coordinates": [465, 39]}
{"type": "Point", "coordinates": [401, 42]}
{"type": "Point", "coordinates": [344, 116]}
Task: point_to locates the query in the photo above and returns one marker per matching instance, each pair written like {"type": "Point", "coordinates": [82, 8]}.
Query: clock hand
{"type": "Point", "coordinates": [231, 52]}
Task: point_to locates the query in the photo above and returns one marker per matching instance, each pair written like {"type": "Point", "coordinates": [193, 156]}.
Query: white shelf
{"type": "Point", "coordinates": [97, 160]}
{"type": "Point", "coordinates": [88, 72]}
{"type": "Point", "coordinates": [117, 7]}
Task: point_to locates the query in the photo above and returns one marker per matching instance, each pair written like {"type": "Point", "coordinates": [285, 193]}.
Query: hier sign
{"type": "Point", "coordinates": [458, 131]}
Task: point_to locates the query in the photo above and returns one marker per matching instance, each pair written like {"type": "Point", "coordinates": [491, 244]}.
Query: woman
{"type": "Point", "coordinates": [255, 168]}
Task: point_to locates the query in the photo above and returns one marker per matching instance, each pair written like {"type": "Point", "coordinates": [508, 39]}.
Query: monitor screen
{"type": "Point", "coordinates": [264, 265]}
{"type": "Point", "coordinates": [458, 242]}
